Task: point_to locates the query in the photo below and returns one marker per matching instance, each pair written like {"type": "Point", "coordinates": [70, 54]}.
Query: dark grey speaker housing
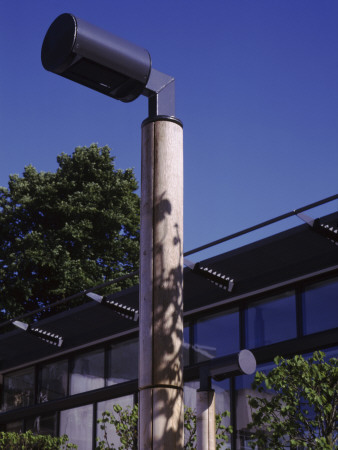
{"type": "Point", "coordinates": [95, 58]}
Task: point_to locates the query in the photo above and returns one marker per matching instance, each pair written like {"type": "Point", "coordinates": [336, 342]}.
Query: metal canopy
{"type": "Point", "coordinates": [291, 254]}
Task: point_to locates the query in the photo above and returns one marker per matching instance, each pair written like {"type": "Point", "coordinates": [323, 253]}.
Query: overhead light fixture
{"type": "Point", "coordinates": [328, 231]}
{"type": "Point", "coordinates": [122, 310]}
{"type": "Point", "coordinates": [46, 336]}
{"type": "Point", "coordinates": [220, 280]}
{"type": "Point", "coordinates": [95, 58]}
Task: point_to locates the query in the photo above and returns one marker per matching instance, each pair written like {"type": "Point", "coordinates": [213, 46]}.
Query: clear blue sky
{"type": "Point", "coordinates": [256, 89]}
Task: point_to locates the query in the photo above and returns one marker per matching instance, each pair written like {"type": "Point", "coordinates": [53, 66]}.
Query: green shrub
{"type": "Point", "coordinates": [30, 441]}
{"type": "Point", "coordinates": [125, 423]}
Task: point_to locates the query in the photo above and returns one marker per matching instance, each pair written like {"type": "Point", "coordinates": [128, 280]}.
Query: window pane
{"type": "Point", "coordinates": [222, 400]}
{"type": "Point", "coordinates": [15, 427]}
{"type": "Point", "coordinates": [53, 381]}
{"type": "Point", "coordinates": [77, 424]}
{"type": "Point", "coordinates": [320, 307]}
{"type": "Point", "coordinates": [271, 320]}
{"type": "Point", "coordinates": [123, 362]}
{"type": "Point", "coordinates": [189, 393]}
{"type": "Point", "coordinates": [19, 389]}
{"type": "Point", "coordinates": [216, 336]}
{"type": "Point", "coordinates": [124, 402]}
{"type": "Point", "coordinates": [186, 346]}
{"type": "Point", "coordinates": [243, 409]}
{"type": "Point", "coordinates": [87, 372]}
{"type": "Point", "coordinates": [42, 425]}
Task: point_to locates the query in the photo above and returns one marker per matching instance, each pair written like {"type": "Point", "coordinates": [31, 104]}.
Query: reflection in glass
{"type": "Point", "coordinates": [186, 345]}
{"type": "Point", "coordinates": [222, 401]}
{"type": "Point", "coordinates": [216, 336]}
{"type": "Point", "coordinates": [45, 425]}
{"type": "Point", "coordinates": [189, 393]}
{"type": "Point", "coordinates": [270, 321]}
{"type": "Point", "coordinates": [53, 381]}
{"type": "Point", "coordinates": [18, 389]}
{"type": "Point", "coordinates": [222, 397]}
{"type": "Point", "coordinates": [77, 424]}
{"type": "Point", "coordinates": [320, 307]}
{"type": "Point", "coordinates": [123, 362]}
{"type": "Point", "coordinates": [243, 410]}
{"type": "Point", "coordinates": [108, 405]}
{"type": "Point", "coordinates": [15, 427]}
{"type": "Point", "coordinates": [87, 372]}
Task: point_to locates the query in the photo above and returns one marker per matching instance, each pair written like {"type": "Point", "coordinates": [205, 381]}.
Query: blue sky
{"type": "Point", "coordinates": [256, 89]}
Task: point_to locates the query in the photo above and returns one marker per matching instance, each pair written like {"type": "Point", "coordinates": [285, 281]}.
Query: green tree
{"type": "Point", "coordinates": [125, 422]}
{"type": "Point", "coordinates": [66, 231]}
{"type": "Point", "coordinates": [297, 404]}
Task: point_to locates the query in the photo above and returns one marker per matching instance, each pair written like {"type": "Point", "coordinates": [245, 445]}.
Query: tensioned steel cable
{"type": "Point", "coordinates": [72, 297]}
{"type": "Point", "coordinates": [190, 252]}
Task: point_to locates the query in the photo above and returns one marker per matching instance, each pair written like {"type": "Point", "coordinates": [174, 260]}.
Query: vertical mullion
{"type": "Point", "coordinates": [242, 325]}
{"type": "Point", "coordinates": [191, 341]}
{"type": "Point", "coordinates": [233, 418]}
{"type": "Point", "coordinates": [299, 311]}
{"type": "Point", "coordinates": [94, 424]}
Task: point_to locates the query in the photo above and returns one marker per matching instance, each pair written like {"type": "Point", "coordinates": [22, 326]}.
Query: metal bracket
{"type": "Point", "coordinates": [160, 91]}
{"type": "Point", "coordinates": [46, 336]}
{"type": "Point", "coordinates": [221, 281]}
{"type": "Point", "coordinates": [122, 310]}
{"type": "Point", "coordinates": [243, 362]}
{"type": "Point", "coordinates": [325, 230]}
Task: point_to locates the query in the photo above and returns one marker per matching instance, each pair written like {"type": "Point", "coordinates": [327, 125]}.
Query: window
{"type": "Point", "coordinates": [320, 306]}
{"type": "Point", "coordinates": [53, 380]}
{"type": "Point", "coordinates": [43, 425]}
{"type": "Point", "coordinates": [124, 402]}
{"type": "Point", "coordinates": [123, 362]}
{"type": "Point", "coordinates": [87, 372]}
{"type": "Point", "coordinates": [243, 409]}
{"type": "Point", "coordinates": [77, 424]}
{"type": "Point", "coordinates": [216, 335]}
{"type": "Point", "coordinates": [15, 427]}
{"type": "Point", "coordinates": [186, 345]}
{"type": "Point", "coordinates": [271, 320]}
{"type": "Point", "coordinates": [19, 389]}
{"type": "Point", "coordinates": [222, 398]}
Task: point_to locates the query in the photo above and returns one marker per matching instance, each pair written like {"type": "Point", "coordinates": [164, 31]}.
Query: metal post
{"type": "Point", "coordinates": [161, 272]}
{"type": "Point", "coordinates": [205, 420]}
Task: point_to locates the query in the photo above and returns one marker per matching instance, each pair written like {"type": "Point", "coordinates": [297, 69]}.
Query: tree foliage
{"type": "Point", "coordinates": [297, 404]}
{"type": "Point", "coordinates": [125, 423]}
{"type": "Point", "coordinates": [66, 231]}
{"type": "Point", "coordinates": [30, 441]}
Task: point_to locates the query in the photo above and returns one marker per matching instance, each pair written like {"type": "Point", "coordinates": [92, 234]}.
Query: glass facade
{"type": "Point", "coordinates": [19, 389]}
{"type": "Point", "coordinates": [123, 362]}
{"type": "Point", "coordinates": [108, 405]}
{"type": "Point", "coordinates": [243, 409]}
{"type": "Point", "coordinates": [265, 321]}
{"type": "Point", "coordinates": [320, 306]}
{"type": "Point", "coordinates": [77, 424]}
{"type": "Point", "coordinates": [215, 336]}
{"type": "Point", "coordinates": [43, 425]}
{"type": "Point", "coordinates": [87, 372]}
{"type": "Point", "coordinates": [271, 320]}
{"type": "Point", "coordinates": [53, 381]}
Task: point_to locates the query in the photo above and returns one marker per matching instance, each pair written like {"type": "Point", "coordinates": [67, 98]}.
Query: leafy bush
{"type": "Point", "coordinates": [297, 404]}
{"type": "Point", "coordinates": [125, 423]}
{"type": "Point", "coordinates": [30, 441]}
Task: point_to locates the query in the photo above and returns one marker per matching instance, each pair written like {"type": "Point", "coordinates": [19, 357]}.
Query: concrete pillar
{"type": "Point", "coordinates": [161, 283]}
{"type": "Point", "coordinates": [205, 420]}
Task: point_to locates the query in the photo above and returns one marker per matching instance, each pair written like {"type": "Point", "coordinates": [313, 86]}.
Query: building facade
{"type": "Point", "coordinates": [284, 301]}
